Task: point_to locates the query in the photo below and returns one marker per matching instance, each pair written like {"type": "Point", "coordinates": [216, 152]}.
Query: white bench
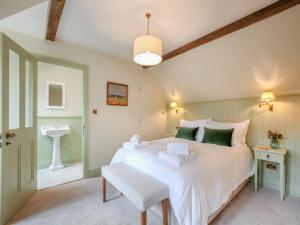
{"type": "Point", "coordinates": [141, 189]}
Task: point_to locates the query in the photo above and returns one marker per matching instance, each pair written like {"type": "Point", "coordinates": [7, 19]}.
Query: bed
{"type": "Point", "coordinates": [199, 189]}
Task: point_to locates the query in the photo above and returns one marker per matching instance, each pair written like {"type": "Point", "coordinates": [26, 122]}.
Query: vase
{"type": "Point", "coordinates": [274, 143]}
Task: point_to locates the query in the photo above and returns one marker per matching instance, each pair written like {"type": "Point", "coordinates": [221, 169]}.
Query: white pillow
{"type": "Point", "coordinates": [195, 123]}
{"type": "Point", "coordinates": [239, 132]}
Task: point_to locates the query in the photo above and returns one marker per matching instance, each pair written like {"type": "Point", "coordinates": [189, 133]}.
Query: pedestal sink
{"type": "Point", "coordinates": [55, 131]}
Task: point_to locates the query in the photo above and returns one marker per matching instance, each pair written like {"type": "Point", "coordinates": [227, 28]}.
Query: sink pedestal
{"type": "Point", "coordinates": [55, 131]}
{"type": "Point", "coordinates": [56, 157]}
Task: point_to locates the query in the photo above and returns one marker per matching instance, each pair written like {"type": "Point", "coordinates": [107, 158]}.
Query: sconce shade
{"type": "Point", "coordinates": [267, 96]}
{"type": "Point", "coordinates": [173, 105]}
{"type": "Point", "coordinates": [147, 50]}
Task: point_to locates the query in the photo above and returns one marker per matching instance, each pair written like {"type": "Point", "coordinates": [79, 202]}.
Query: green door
{"type": "Point", "coordinates": [18, 127]}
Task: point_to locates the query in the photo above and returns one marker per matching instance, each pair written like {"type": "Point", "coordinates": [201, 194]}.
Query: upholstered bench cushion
{"type": "Point", "coordinates": [141, 189]}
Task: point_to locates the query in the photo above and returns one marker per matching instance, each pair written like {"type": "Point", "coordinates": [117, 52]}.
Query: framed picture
{"type": "Point", "coordinates": [117, 94]}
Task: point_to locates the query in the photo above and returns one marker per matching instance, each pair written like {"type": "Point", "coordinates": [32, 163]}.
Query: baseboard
{"type": "Point", "coordinates": [93, 173]}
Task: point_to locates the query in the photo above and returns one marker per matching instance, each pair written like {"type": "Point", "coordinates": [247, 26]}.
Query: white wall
{"type": "Point", "coordinates": [73, 80]}
{"type": "Point", "coordinates": [113, 124]}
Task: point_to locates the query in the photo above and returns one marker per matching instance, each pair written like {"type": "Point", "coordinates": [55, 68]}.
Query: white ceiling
{"type": "Point", "coordinates": [10, 7]}
{"type": "Point", "coordinates": [31, 22]}
{"type": "Point", "coordinates": [110, 26]}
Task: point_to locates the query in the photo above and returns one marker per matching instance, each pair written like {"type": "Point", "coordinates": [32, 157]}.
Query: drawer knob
{"type": "Point", "coordinates": [268, 156]}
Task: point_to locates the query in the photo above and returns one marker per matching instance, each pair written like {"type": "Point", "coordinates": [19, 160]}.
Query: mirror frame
{"type": "Point", "coordinates": [48, 83]}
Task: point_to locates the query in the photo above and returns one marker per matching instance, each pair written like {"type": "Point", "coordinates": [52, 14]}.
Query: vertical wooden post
{"type": "Point", "coordinates": [165, 211]}
{"type": "Point", "coordinates": [103, 189]}
{"type": "Point", "coordinates": [144, 218]}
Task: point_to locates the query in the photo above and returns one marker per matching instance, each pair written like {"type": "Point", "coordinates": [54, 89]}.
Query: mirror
{"type": "Point", "coordinates": [55, 95]}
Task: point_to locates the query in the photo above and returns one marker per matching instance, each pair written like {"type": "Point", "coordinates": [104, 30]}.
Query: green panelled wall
{"type": "Point", "coordinates": [285, 118]}
{"type": "Point", "coordinates": [71, 144]}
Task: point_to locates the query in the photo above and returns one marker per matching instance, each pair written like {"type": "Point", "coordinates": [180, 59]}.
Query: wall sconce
{"type": "Point", "coordinates": [266, 98]}
{"type": "Point", "coordinates": [174, 106]}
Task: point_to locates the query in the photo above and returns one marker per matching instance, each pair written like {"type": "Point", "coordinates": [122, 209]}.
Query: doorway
{"type": "Point", "coordinates": [60, 122]}
{"type": "Point", "coordinates": [18, 124]}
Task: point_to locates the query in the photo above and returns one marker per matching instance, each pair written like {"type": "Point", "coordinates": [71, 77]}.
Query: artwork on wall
{"type": "Point", "coordinates": [117, 94]}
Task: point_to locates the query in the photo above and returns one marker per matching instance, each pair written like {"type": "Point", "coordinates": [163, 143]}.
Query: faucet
{"type": "Point", "coordinates": [55, 125]}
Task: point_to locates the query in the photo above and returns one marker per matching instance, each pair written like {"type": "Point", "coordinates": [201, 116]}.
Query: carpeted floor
{"type": "Point", "coordinates": [79, 203]}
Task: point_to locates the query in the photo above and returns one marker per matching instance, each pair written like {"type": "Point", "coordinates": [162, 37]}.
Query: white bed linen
{"type": "Point", "coordinates": [198, 188]}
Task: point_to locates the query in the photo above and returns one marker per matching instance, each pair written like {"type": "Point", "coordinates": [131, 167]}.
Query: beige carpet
{"type": "Point", "coordinates": [80, 203]}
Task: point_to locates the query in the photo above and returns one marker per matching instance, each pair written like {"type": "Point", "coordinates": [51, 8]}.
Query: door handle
{"type": "Point", "coordinates": [10, 135]}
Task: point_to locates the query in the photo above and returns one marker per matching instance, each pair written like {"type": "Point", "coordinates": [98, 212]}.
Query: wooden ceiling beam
{"type": "Point", "coordinates": [255, 17]}
{"type": "Point", "coordinates": [55, 12]}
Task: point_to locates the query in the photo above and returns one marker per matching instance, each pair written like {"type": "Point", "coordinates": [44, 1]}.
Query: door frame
{"type": "Point", "coordinates": [84, 69]}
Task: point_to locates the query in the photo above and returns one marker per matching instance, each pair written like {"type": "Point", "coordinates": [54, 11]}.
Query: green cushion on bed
{"type": "Point", "coordinates": [187, 133]}
{"type": "Point", "coordinates": [217, 136]}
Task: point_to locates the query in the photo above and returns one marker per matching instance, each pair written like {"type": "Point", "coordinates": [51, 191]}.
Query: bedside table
{"type": "Point", "coordinates": [271, 155]}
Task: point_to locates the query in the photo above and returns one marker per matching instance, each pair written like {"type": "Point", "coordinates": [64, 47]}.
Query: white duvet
{"type": "Point", "coordinates": [199, 187]}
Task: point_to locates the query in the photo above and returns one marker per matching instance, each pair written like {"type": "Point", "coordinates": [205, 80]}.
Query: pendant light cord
{"type": "Point", "coordinates": [148, 16]}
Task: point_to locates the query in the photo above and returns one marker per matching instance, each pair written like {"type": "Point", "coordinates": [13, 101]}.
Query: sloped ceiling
{"type": "Point", "coordinates": [10, 7]}
{"type": "Point", "coordinates": [31, 22]}
{"type": "Point", "coordinates": [110, 26]}
{"type": "Point", "coordinates": [262, 56]}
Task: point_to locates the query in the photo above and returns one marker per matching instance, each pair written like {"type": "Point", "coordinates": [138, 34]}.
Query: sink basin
{"type": "Point", "coordinates": [55, 131]}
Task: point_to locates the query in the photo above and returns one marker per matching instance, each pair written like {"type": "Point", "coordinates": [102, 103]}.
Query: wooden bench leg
{"type": "Point", "coordinates": [165, 211]}
{"type": "Point", "coordinates": [144, 218]}
{"type": "Point", "coordinates": [103, 189]}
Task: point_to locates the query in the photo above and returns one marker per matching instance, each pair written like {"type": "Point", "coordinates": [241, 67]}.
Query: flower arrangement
{"type": "Point", "coordinates": [274, 136]}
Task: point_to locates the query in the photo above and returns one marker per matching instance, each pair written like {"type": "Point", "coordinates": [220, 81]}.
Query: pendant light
{"type": "Point", "coordinates": [147, 48]}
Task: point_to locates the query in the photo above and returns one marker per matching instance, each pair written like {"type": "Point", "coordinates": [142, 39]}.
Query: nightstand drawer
{"type": "Point", "coordinates": [268, 156]}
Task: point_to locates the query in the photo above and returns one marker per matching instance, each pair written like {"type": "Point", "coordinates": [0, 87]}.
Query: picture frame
{"type": "Point", "coordinates": [117, 94]}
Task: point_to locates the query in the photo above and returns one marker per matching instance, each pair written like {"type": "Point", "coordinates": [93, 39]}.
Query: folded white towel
{"type": "Point", "coordinates": [135, 139]}
{"type": "Point", "coordinates": [131, 146]}
{"type": "Point", "coordinates": [142, 145]}
{"type": "Point", "coordinates": [176, 160]}
{"type": "Point", "coordinates": [135, 143]}
{"type": "Point", "coordinates": [178, 148]}
{"type": "Point", "coordinates": [128, 145]}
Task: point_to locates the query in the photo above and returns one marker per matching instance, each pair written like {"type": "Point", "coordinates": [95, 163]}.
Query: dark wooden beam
{"type": "Point", "coordinates": [232, 27]}
{"type": "Point", "coordinates": [55, 12]}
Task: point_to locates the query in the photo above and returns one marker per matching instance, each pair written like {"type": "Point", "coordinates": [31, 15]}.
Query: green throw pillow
{"type": "Point", "coordinates": [187, 133]}
{"type": "Point", "coordinates": [217, 136]}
